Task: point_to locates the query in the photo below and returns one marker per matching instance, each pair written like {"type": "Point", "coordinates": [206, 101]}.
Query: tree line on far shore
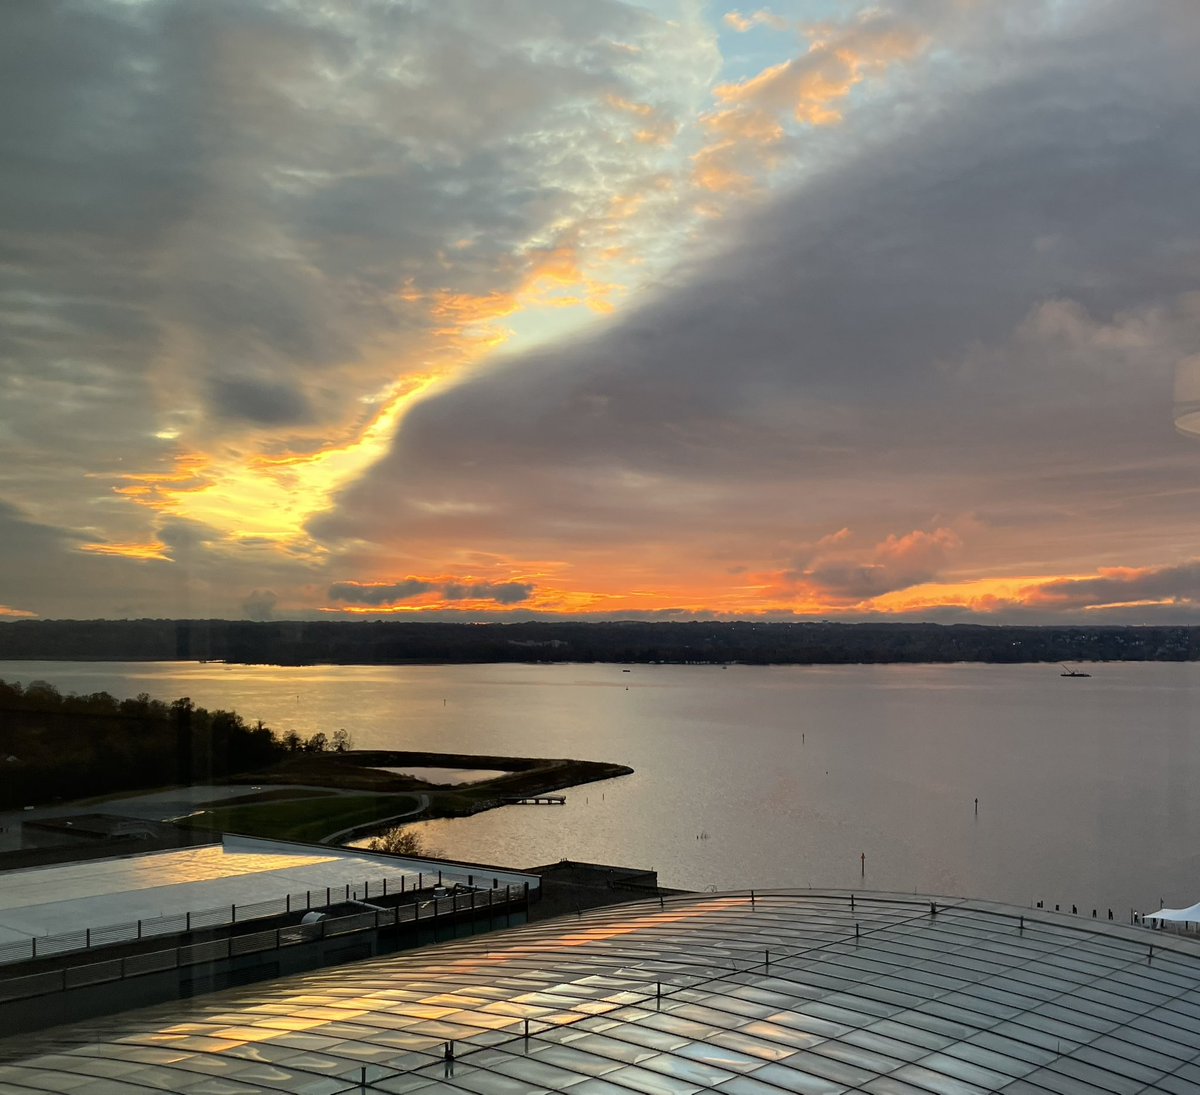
{"type": "Point", "coordinates": [55, 746]}
{"type": "Point", "coordinates": [400, 642]}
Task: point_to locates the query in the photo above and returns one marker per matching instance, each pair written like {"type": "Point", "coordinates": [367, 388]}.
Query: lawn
{"type": "Point", "coordinates": [304, 820]}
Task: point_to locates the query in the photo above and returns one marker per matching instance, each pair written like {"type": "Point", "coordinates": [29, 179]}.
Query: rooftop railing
{"type": "Point", "coordinates": [500, 899]}
{"type": "Point", "coordinates": [44, 946]}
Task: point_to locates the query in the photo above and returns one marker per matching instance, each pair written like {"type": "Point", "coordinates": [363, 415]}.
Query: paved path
{"type": "Point", "coordinates": [383, 822]}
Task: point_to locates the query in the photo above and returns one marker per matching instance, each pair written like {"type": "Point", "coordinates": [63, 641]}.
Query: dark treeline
{"type": "Point", "coordinates": [392, 643]}
{"type": "Point", "coordinates": [56, 746]}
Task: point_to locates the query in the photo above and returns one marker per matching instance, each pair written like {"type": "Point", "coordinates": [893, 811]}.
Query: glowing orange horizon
{"type": "Point", "coordinates": [980, 596]}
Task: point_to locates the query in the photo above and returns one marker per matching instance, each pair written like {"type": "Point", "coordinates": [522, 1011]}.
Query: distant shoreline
{"type": "Point", "coordinates": [310, 643]}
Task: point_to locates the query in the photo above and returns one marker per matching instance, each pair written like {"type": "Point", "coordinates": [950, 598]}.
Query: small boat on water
{"type": "Point", "coordinates": [1069, 672]}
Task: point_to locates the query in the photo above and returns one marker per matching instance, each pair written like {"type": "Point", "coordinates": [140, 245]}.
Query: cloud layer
{"type": "Point", "coordinates": [609, 309]}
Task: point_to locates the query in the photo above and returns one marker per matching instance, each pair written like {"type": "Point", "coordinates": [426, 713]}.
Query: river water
{"type": "Point", "coordinates": [1088, 789]}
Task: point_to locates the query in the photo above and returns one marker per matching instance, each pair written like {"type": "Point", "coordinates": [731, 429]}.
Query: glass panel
{"type": "Point", "coordinates": [788, 1079]}
{"type": "Point", "coordinates": [890, 1085]}
{"type": "Point", "coordinates": [857, 1055]}
{"type": "Point", "coordinates": [683, 1068]}
{"type": "Point", "coordinates": [755, 1047]}
{"type": "Point", "coordinates": [748, 1085]}
{"type": "Point", "coordinates": [574, 1061]}
{"type": "Point", "coordinates": [612, 1048]}
{"type": "Point", "coordinates": [972, 1072]}
{"type": "Point", "coordinates": [938, 1082]}
{"type": "Point", "coordinates": [989, 1059]}
{"type": "Point", "coordinates": [652, 1083]}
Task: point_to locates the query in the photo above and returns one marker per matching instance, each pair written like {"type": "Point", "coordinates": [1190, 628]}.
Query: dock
{"type": "Point", "coordinates": [535, 800]}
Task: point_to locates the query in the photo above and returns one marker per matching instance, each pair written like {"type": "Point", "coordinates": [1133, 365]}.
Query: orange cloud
{"type": "Point", "coordinates": [654, 127]}
{"type": "Point", "coordinates": [266, 497]}
{"type": "Point", "coordinates": [571, 590]}
{"type": "Point", "coordinates": [552, 277]}
{"type": "Point", "coordinates": [740, 140]}
{"type": "Point", "coordinates": [764, 17]}
{"type": "Point", "coordinates": [151, 550]}
{"type": "Point", "coordinates": [154, 488]}
{"type": "Point", "coordinates": [746, 137]}
{"type": "Point", "coordinates": [272, 497]}
{"type": "Point", "coordinates": [556, 278]}
{"type": "Point", "coordinates": [811, 84]}
{"type": "Point", "coordinates": [836, 573]}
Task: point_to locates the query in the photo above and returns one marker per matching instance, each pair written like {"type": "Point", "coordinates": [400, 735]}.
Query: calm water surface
{"type": "Point", "coordinates": [784, 776]}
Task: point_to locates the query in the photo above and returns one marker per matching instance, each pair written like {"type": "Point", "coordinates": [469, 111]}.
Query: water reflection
{"type": "Point", "coordinates": [1085, 788]}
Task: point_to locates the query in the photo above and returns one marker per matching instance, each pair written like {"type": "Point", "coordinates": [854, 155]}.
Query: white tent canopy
{"type": "Point", "coordinates": [1191, 913]}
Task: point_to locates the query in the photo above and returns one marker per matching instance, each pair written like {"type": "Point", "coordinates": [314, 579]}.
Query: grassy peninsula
{"type": "Point", "coordinates": [350, 793]}
{"type": "Point", "coordinates": [57, 748]}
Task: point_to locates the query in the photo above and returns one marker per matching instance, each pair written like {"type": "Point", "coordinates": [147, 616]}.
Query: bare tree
{"type": "Point", "coordinates": [400, 841]}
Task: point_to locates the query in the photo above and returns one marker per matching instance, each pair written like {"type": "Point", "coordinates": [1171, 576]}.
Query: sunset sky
{"type": "Point", "coordinates": [511, 309]}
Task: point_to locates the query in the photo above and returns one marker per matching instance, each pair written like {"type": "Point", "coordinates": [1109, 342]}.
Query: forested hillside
{"type": "Point", "coordinates": [55, 746]}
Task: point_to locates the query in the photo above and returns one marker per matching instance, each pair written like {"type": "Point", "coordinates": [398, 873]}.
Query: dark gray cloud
{"type": "Point", "coordinates": [265, 402]}
{"type": "Point", "coordinates": [260, 605]}
{"type": "Point", "coordinates": [899, 562]}
{"type": "Point", "coordinates": [1171, 584]}
{"type": "Point", "coordinates": [48, 572]}
{"type": "Point", "coordinates": [505, 593]}
{"type": "Point", "coordinates": [390, 593]}
{"type": "Point", "coordinates": [378, 594]}
{"type": "Point", "coordinates": [183, 537]}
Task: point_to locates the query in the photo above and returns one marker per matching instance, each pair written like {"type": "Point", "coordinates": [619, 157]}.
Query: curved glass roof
{"type": "Point", "coordinates": [737, 993]}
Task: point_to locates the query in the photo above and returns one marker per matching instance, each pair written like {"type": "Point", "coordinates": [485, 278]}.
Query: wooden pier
{"type": "Point", "coordinates": [535, 800]}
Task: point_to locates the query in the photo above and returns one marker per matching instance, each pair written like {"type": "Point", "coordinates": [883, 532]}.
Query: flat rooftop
{"type": "Point", "coordinates": [73, 897]}
{"type": "Point", "coordinates": [745, 994]}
